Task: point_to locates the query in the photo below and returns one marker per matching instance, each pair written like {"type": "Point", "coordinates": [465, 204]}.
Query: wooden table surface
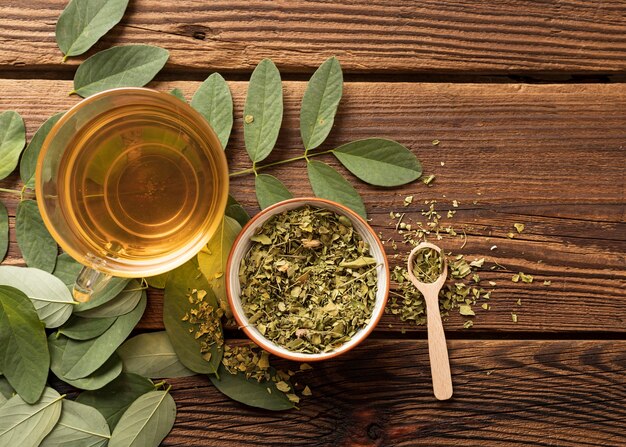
{"type": "Point", "coordinates": [528, 102]}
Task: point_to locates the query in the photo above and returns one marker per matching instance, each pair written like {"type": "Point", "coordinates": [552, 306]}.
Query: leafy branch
{"type": "Point", "coordinates": [376, 161]}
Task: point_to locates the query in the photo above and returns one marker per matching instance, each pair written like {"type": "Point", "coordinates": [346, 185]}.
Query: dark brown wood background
{"type": "Point", "coordinates": [527, 100]}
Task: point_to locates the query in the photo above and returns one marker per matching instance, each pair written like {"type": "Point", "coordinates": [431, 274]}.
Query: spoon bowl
{"type": "Point", "coordinates": [437, 349]}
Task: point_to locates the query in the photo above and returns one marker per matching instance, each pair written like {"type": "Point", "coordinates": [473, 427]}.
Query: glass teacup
{"type": "Point", "coordinates": [131, 182]}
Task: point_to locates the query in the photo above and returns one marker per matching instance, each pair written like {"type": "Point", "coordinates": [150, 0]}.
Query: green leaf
{"type": "Point", "coordinates": [38, 248]}
{"type": "Point", "coordinates": [12, 141]}
{"type": "Point", "coordinates": [51, 298]}
{"type": "Point", "coordinates": [329, 184]}
{"type": "Point", "coordinates": [28, 162]}
{"type": "Point", "coordinates": [379, 162]}
{"type": "Point", "coordinates": [250, 391]}
{"type": "Point", "coordinates": [79, 426]}
{"type": "Point", "coordinates": [178, 93]}
{"type": "Point", "coordinates": [112, 289]}
{"type": "Point", "coordinates": [320, 102]}
{"type": "Point", "coordinates": [24, 357]}
{"type": "Point", "coordinates": [113, 399]}
{"type": "Point", "coordinates": [270, 190]}
{"type": "Point", "coordinates": [4, 231]}
{"type": "Point", "coordinates": [27, 425]}
{"type": "Point", "coordinates": [152, 355]}
{"type": "Point", "coordinates": [83, 22]}
{"type": "Point", "coordinates": [214, 256]}
{"type": "Point", "coordinates": [123, 303]}
{"type": "Point", "coordinates": [96, 380]}
{"type": "Point", "coordinates": [78, 328]}
{"type": "Point", "coordinates": [157, 281]}
{"type": "Point", "coordinates": [146, 422]}
{"type": "Point", "coordinates": [176, 304]}
{"type": "Point", "coordinates": [6, 390]}
{"type": "Point", "coordinates": [263, 111]}
{"type": "Point", "coordinates": [236, 211]}
{"type": "Point", "coordinates": [127, 66]}
{"type": "Point", "coordinates": [67, 270]}
{"type": "Point", "coordinates": [214, 101]}
{"type": "Point", "coordinates": [81, 358]}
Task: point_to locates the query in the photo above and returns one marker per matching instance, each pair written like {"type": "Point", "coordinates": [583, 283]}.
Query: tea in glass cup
{"type": "Point", "coordinates": [131, 182]}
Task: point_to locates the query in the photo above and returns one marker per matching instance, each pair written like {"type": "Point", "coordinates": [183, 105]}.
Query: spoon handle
{"type": "Point", "coordinates": [437, 349]}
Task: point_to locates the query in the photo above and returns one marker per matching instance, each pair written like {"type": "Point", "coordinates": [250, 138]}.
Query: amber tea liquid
{"type": "Point", "coordinates": [136, 185]}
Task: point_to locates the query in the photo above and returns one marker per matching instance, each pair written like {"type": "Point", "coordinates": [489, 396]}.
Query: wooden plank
{"type": "Point", "coordinates": [381, 36]}
{"type": "Point", "coordinates": [539, 393]}
{"type": "Point", "coordinates": [549, 156]}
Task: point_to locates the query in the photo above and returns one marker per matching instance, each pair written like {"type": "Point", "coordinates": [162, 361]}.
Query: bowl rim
{"type": "Point", "coordinates": [265, 343]}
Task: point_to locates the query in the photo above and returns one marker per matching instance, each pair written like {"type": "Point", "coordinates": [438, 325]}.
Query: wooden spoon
{"type": "Point", "coordinates": [437, 350]}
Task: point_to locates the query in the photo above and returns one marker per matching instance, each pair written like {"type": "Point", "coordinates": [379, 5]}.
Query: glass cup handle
{"type": "Point", "coordinates": [88, 282]}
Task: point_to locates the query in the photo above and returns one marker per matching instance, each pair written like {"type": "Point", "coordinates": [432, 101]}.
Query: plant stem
{"type": "Point", "coordinates": [12, 191]}
{"type": "Point", "coordinates": [276, 163]}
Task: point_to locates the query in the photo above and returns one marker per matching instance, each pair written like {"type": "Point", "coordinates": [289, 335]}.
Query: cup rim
{"type": "Point", "coordinates": [266, 344]}
{"type": "Point", "coordinates": [192, 250]}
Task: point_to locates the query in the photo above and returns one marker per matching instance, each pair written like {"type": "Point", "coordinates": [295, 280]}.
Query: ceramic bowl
{"type": "Point", "coordinates": [242, 245]}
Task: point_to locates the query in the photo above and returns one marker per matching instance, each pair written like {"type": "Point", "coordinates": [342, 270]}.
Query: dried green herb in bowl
{"type": "Point", "coordinates": [307, 279]}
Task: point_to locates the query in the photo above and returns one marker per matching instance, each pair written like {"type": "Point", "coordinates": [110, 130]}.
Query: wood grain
{"type": "Point", "coordinates": [556, 38]}
{"type": "Point", "coordinates": [527, 393]}
{"type": "Point", "coordinates": [549, 156]}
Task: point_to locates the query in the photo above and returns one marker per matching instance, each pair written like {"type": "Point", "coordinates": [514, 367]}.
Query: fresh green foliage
{"type": "Point", "coordinates": [126, 66]}
{"type": "Point", "coordinates": [78, 328]}
{"type": "Point", "coordinates": [152, 355]}
{"type": "Point", "coordinates": [379, 162]}
{"type": "Point", "coordinates": [110, 291]}
{"type": "Point", "coordinates": [250, 391]}
{"type": "Point", "coordinates": [51, 298]}
{"type": "Point", "coordinates": [38, 248]}
{"type": "Point", "coordinates": [24, 357]}
{"type": "Point", "coordinates": [320, 102]}
{"type": "Point", "coordinates": [146, 422]}
{"type": "Point", "coordinates": [24, 425]}
{"type": "Point", "coordinates": [67, 270]}
{"type": "Point", "coordinates": [79, 426]}
{"type": "Point", "coordinates": [270, 190]}
{"type": "Point", "coordinates": [6, 390]}
{"type": "Point", "coordinates": [83, 22]}
{"type": "Point", "coordinates": [180, 286]}
{"type": "Point", "coordinates": [327, 183]}
{"type": "Point", "coordinates": [4, 231]}
{"type": "Point", "coordinates": [263, 111]}
{"type": "Point", "coordinates": [213, 257]}
{"type": "Point", "coordinates": [113, 399]}
{"type": "Point", "coordinates": [236, 211]}
{"type": "Point", "coordinates": [214, 101]}
{"type": "Point", "coordinates": [81, 358]}
{"type": "Point", "coordinates": [28, 162]}
{"type": "Point", "coordinates": [158, 281]}
{"type": "Point", "coordinates": [123, 303]}
{"type": "Point", "coordinates": [12, 141]}
{"type": "Point", "coordinates": [99, 378]}
{"type": "Point", "coordinates": [178, 93]}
